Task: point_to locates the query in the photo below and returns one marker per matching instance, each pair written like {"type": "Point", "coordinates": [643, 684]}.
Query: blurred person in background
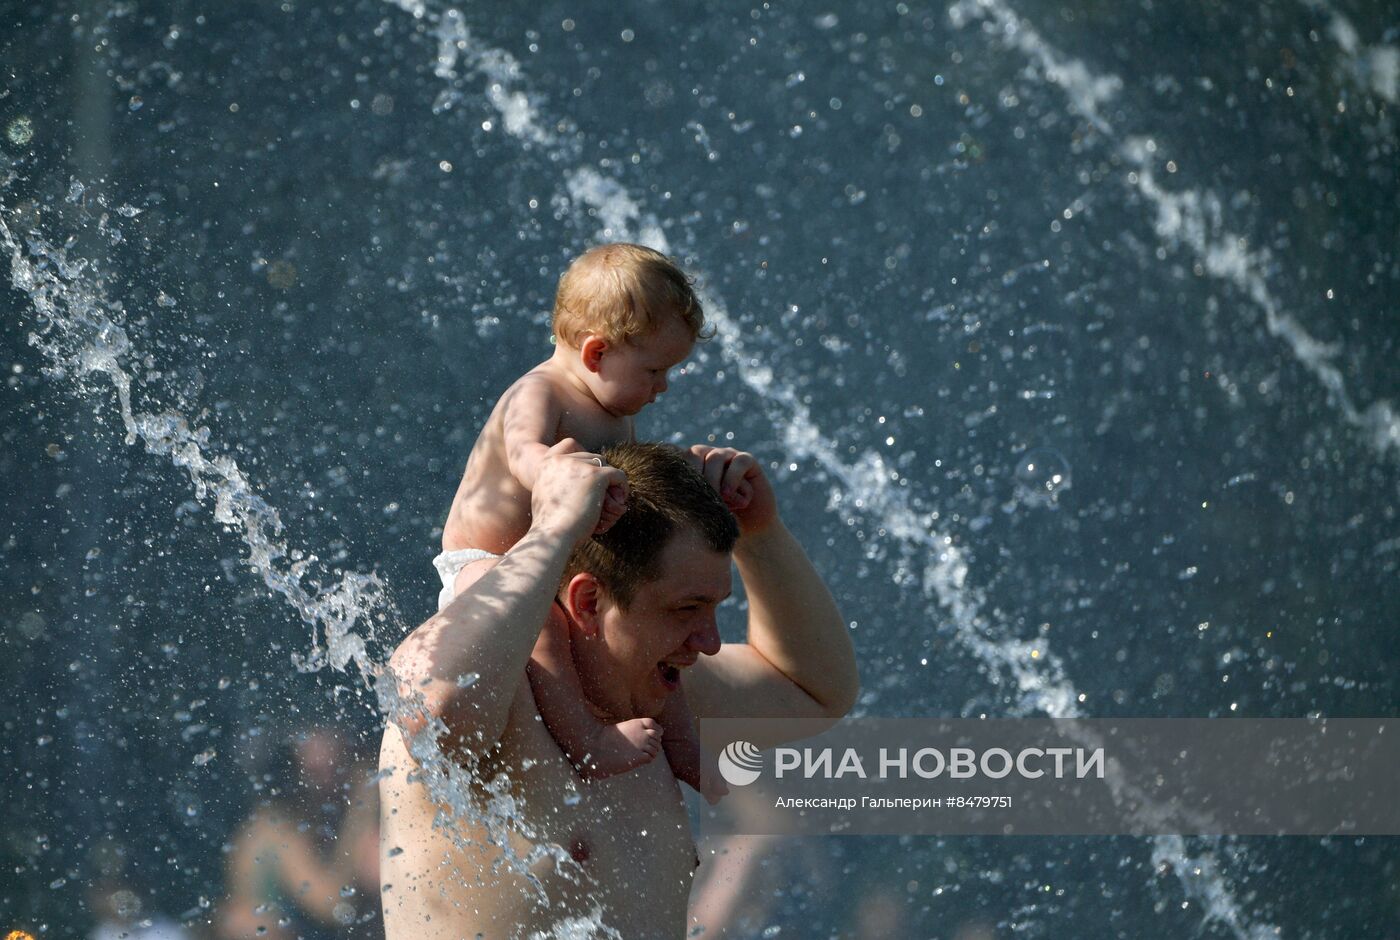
{"type": "Point", "coordinates": [290, 874]}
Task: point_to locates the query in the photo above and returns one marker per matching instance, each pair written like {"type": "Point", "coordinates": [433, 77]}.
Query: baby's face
{"type": "Point", "coordinates": [632, 374]}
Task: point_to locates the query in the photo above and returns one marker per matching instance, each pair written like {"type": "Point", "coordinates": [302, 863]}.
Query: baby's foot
{"type": "Point", "coordinates": [624, 746]}
{"type": "Point", "coordinates": [712, 786]}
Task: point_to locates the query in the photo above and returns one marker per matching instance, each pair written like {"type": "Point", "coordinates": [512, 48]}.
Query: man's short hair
{"type": "Point", "coordinates": [665, 493]}
{"type": "Point", "coordinates": [620, 291]}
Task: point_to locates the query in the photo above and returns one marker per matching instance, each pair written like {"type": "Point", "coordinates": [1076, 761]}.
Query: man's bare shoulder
{"type": "Point", "coordinates": [465, 746]}
{"type": "Point", "coordinates": [738, 682]}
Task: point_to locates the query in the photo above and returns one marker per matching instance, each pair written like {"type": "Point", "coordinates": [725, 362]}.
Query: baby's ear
{"type": "Point", "coordinates": [591, 352]}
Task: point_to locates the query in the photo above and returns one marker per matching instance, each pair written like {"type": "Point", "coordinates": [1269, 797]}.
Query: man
{"type": "Point", "coordinates": [537, 850]}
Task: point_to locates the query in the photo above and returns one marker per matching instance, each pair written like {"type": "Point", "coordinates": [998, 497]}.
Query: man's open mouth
{"type": "Point", "coordinates": [670, 675]}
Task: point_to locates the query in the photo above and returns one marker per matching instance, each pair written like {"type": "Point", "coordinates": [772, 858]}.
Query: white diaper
{"type": "Point", "coordinates": [450, 564]}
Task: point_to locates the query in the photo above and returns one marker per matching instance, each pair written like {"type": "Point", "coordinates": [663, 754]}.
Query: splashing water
{"type": "Point", "coordinates": [80, 331]}
{"type": "Point", "coordinates": [1190, 218]}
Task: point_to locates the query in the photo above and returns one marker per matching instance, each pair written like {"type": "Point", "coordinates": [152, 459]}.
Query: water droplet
{"type": "Point", "coordinates": [136, 103]}
{"type": "Point", "coordinates": [20, 131]}
{"type": "Point", "coordinates": [126, 903]}
{"type": "Point", "coordinates": [1042, 474]}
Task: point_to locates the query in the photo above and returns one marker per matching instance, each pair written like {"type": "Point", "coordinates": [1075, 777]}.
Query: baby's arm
{"type": "Point", "coordinates": [594, 748]}
{"type": "Point", "coordinates": [530, 426]}
{"type": "Point", "coordinates": [683, 751]}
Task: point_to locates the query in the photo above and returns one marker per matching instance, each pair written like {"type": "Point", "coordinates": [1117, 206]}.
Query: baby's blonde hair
{"type": "Point", "coordinates": [619, 292]}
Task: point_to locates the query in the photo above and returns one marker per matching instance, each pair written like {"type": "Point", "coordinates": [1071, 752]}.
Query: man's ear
{"type": "Point", "coordinates": [582, 597]}
{"type": "Point", "coordinates": [592, 350]}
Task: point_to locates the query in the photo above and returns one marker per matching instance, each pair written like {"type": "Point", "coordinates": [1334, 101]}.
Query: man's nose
{"type": "Point", "coordinates": [706, 639]}
{"type": "Point", "coordinates": [662, 384]}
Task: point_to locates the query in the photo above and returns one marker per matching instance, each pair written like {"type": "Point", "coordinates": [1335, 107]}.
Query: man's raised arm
{"type": "Point", "coordinates": [798, 661]}
{"type": "Point", "coordinates": [490, 628]}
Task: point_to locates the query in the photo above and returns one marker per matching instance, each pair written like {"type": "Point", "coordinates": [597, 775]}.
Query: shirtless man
{"type": "Point", "coordinates": [635, 628]}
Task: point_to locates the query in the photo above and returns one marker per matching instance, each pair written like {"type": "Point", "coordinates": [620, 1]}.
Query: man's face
{"type": "Point", "coordinates": [635, 661]}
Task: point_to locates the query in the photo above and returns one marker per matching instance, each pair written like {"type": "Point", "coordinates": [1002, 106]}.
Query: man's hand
{"type": "Point", "coordinates": [798, 661]}
{"type": "Point", "coordinates": [493, 623]}
{"type": "Point", "coordinates": [571, 488]}
{"type": "Point", "coordinates": [740, 482]}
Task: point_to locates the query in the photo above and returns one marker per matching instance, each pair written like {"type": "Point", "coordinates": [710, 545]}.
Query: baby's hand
{"type": "Point", "coordinates": [740, 482]}
{"type": "Point", "coordinates": [738, 496]}
{"type": "Point", "coordinates": [614, 505]}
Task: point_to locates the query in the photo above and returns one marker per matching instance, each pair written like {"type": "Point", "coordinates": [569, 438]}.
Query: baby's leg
{"type": "Point", "coordinates": [471, 572]}
{"type": "Point", "coordinates": [596, 749]}
{"type": "Point", "coordinates": [683, 751]}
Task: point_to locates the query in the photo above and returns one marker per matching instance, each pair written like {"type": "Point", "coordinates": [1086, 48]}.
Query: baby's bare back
{"type": "Point", "coordinates": [491, 510]}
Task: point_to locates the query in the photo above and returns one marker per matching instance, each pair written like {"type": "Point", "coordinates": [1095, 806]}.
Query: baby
{"type": "Point", "coordinates": [624, 316]}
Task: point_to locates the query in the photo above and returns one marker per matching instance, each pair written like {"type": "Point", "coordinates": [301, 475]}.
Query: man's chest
{"type": "Point", "coordinates": [616, 828]}
{"type": "Point", "coordinates": [532, 846]}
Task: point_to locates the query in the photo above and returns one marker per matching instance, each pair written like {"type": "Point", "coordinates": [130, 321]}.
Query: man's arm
{"type": "Point", "coordinates": [798, 661]}
{"type": "Point", "coordinates": [491, 627]}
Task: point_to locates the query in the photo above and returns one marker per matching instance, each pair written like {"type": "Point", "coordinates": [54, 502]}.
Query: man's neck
{"type": "Point", "coordinates": [580, 669]}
